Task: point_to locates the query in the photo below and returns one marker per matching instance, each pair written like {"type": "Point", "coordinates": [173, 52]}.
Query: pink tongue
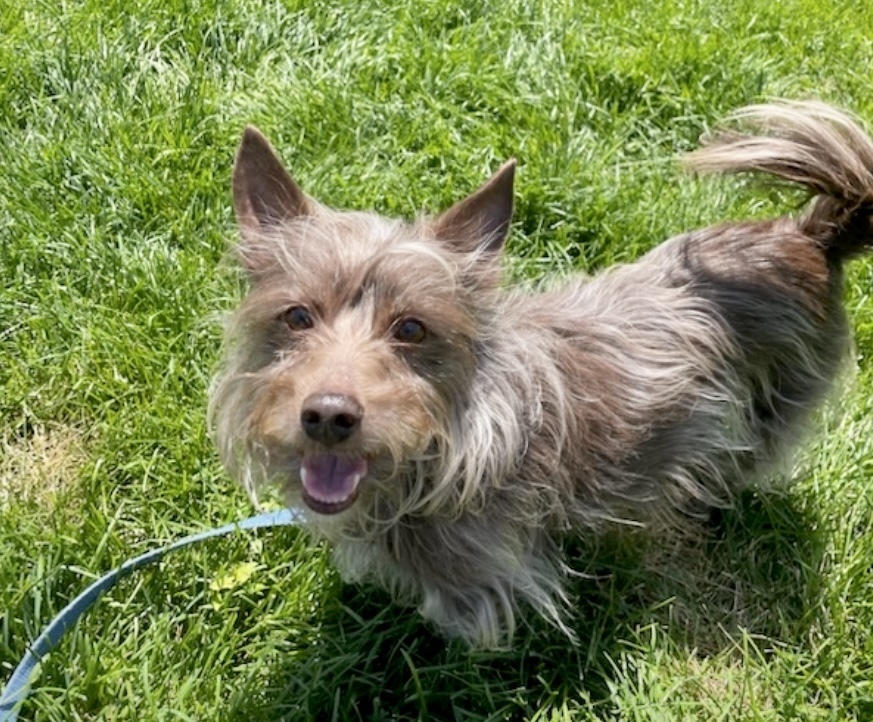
{"type": "Point", "coordinates": [331, 479]}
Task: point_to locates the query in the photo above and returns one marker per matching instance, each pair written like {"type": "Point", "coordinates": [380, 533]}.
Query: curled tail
{"type": "Point", "coordinates": [811, 144]}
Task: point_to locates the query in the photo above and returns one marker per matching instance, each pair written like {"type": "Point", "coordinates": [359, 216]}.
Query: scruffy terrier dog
{"type": "Point", "coordinates": [444, 433]}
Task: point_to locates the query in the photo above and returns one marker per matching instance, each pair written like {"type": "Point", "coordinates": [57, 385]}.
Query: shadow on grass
{"type": "Point", "coordinates": [755, 572]}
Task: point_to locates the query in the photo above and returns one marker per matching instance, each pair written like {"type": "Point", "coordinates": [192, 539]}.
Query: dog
{"type": "Point", "coordinates": [446, 433]}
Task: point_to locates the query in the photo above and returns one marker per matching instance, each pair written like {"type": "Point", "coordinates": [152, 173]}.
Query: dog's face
{"type": "Point", "coordinates": [356, 343]}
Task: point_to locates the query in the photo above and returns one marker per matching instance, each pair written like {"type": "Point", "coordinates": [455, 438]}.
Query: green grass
{"type": "Point", "coordinates": [118, 122]}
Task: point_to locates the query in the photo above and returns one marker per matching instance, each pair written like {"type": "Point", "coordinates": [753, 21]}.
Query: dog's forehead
{"type": "Point", "coordinates": [333, 241]}
{"type": "Point", "coordinates": [339, 259]}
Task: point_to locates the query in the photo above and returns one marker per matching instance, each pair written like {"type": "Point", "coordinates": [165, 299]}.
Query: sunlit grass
{"type": "Point", "coordinates": [118, 124]}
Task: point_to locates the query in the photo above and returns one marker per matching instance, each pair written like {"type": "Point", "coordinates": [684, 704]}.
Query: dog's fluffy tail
{"type": "Point", "coordinates": [812, 144]}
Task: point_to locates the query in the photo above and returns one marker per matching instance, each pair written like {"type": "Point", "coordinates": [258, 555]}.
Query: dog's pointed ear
{"type": "Point", "coordinates": [480, 222]}
{"type": "Point", "coordinates": [264, 194]}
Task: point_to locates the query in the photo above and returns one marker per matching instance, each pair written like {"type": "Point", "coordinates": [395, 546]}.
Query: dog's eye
{"type": "Point", "coordinates": [297, 318]}
{"type": "Point", "coordinates": [409, 330]}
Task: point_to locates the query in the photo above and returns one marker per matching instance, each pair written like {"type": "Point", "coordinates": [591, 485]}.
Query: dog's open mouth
{"type": "Point", "coordinates": [330, 482]}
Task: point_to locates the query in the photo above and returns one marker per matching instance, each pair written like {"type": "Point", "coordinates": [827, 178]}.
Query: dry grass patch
{"type": "Point", "coordinates": [39, 467]}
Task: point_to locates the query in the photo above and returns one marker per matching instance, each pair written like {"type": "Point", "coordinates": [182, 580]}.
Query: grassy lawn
{"type": "Point", "coordinates": [118, 122]}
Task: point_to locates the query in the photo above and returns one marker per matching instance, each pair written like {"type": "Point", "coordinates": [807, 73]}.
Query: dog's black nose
{"type": "Point", "coordinates": [330, 418]}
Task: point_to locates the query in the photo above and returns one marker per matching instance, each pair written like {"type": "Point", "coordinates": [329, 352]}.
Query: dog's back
{"type": "Point", "coordinates": [721, 343]}
{"type": "Point", "coordinates": [778, 284]}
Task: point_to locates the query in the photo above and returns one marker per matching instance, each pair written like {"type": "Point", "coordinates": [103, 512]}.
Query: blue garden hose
{"type": "Point", "coordinates": [19, 683]}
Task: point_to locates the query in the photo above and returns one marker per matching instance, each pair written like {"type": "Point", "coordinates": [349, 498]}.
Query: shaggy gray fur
{"type": "Point", "coordinates": [475, 426]}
